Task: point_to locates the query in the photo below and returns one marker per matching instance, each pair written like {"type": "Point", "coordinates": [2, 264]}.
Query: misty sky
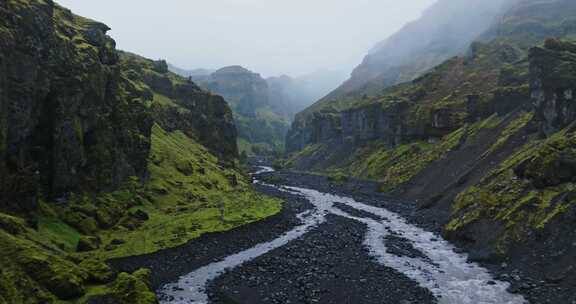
{"type": "Point", "coordinates": [271, 37]}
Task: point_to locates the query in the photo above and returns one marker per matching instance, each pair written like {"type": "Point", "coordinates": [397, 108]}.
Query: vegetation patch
{"type": "Point", "coordinates": [524, 193]}
{"type": "Point", "coordinates": [396, 166]}
{"type": "Point", "coordinates": [306, 152]}
{"type": "Point", "coordinates": [188, 194]}
{"type": "Point", "coordinates": [510, 130]}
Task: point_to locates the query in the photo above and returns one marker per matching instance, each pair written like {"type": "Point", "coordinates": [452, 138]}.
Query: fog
{"type": "Point", "coordinates": [447, 22]}
{"type": "Point", "coordinates": [445, 29]}
{"type": "Point", "coordinates": [271, 37]}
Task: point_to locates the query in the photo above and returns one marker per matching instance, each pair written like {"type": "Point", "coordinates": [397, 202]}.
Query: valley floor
{"type": "Point", "coordinates": [327, 252]}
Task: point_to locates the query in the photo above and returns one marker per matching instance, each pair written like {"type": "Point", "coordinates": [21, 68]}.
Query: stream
{"type": "Point", "coordinates": [445, 273]}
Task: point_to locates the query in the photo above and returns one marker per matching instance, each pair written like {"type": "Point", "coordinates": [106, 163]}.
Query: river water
{"type": "Point", "coordinates": [444, 272]}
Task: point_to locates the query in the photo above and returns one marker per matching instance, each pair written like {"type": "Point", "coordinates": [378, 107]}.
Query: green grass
{"type": "Point", "coordinates": [307, 151]}
{"type": "Point", "coordinates": [163, 100]}
{"type": "Point", "coordinates": [188, 194]}
{"type": "Point", "coordinates": [262, 134]}
{"type": "Point", "coordinates": [58, 232]}
{"type": "Point", "coordinates": [396, 166]}
{"type": "Point", "coordinates": [513, 201]}
{"type": "Point", "coordinates": [511, 129]}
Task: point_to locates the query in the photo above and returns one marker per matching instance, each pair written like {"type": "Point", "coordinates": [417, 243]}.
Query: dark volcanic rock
{"type": "Point", "coordinates": [327, 265]}
{"type": "Point", "coordinates": [199, 114]}
{"type": "Point", "coordinates": [246, 91]}
{"type": "Point", "coordinates": [553, 84]}
{"type": "Point", "coordinates": [68, 119]}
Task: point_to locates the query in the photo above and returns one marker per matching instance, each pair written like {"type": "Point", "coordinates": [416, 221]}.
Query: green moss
{"type": "Point", "coordinates": [133, 289]}
{"type": "Point", "coordinates": [79, 130]}
{"type": "Point", "coordinates": [188, 194]}
{"type": "Point", "coordinates": [98, 272]}
{"type": "Point", "coordinates": [125, 289]}
{"type": "Point", "coordinates": [163, 100]}
{"type": "Point", "coordinates": [398, 165]}
{"type": "Point", "coordinates": [262, 134]}
{"type": "Point", "coordinates": [58, 232]}
{"type": "Point", "coordinates": [338, 178]}
{"type": "Point", "coordinates": [525, 203]}
{"type": "Point", "coordinates": [37, 273]}
{"type": "Point", "coordinates": [307, 151]}
{"type": "Point", "coordinates": [510, 130]}
{"type": "Point", "coordinates": [12, 224]}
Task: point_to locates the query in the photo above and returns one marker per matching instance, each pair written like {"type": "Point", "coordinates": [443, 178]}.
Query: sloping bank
{"type": "Point", "coordinates": [103, 154]}
{"type": "Point", "coordinates": [483, 142]}
{"type": "Point", "coordinates": [501, 185]}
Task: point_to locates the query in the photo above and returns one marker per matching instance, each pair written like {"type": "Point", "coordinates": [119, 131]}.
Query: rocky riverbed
{"type": "Point", "coordinates": [335, 243]}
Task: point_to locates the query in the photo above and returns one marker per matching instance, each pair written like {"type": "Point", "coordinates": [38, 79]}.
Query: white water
{"type": "Point", "coordinates": [448, 276]}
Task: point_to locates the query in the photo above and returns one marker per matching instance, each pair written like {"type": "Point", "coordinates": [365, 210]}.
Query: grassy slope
{"type": "Point", "coordinates": [188, 194]}
{"type": "Point", "coordinates": [525, 192]}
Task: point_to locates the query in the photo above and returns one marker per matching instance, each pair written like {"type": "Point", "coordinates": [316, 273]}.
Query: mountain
{"type": "Point", "coordinates": [261, 120]}
{"type": "Point", "coordinates": [444, 30]}
{"type": "Point", "coordinates": [263, 108]}
{"type": "Point", "coordinates": [482, 140]}
{"type": "Point", "coordinates": [292, 95]}
{"type": "Point", "coordinates": [103, 154]}
{"type": "Point", "coordinates": [190, 73]}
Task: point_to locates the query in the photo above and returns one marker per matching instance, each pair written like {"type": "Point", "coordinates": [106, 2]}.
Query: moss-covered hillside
{"type": "Point", "coordinates": [103, 154]}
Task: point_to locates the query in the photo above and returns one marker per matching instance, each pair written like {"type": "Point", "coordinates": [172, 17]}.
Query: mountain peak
{"type": "Point", "coordinates": [233, 69]}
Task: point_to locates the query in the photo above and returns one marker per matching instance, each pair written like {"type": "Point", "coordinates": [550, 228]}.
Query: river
{"type": "Point", "coordinates": [443, 271]}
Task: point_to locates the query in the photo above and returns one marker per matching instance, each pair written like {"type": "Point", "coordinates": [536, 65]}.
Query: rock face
{"type": "Point", "coordinates": [553, 84]}
{"type": "Point", "coordinates": [68, 119]}
{"type": "Point", "coordinates": [75, 114]}
{"type": "Point", "coordinates": [182, 105]}
{"type": "Point", "coordinates": [355, 127]}
{"type": "Point", "coordinates": [290, 95]}
{"type": "Point", "coordinates": [244, 90]}
{"type": "Point", "coordinates": [260, 117]}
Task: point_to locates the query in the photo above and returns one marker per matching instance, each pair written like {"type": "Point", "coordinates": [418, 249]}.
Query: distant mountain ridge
{"type": "Point", "coordinates": [444, 30]}
{"type": "Point", "coordinates": [263, 108]}
{"type": "Point", "coordinates": [188, 73]}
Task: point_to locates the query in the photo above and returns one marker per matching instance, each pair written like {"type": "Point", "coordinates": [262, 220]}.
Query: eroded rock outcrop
{"type": "Point", "coordinates": [69, 121]}
{"type": "Point", "coordinates": [244, 90]}
{"type": "Point", "coordinates": [260, 117]}
{"type": "Point", "coordinates": [553, 85]}
{"type": "Point", "coordinates": [179, 104]}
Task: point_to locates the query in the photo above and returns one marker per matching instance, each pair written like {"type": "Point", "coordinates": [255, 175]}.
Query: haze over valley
{"type": "Point", "coordinates": [266, 152]}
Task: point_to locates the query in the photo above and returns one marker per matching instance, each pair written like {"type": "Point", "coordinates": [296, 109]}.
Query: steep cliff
{"type": "Point", "coordinates": [260, 117]}
{"type": "Point", "coordinates": [179, 104]}
{"type": "Point", "coordinates": [103, 154]}
{"type": "Point", "coordinates": [69, 121]}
